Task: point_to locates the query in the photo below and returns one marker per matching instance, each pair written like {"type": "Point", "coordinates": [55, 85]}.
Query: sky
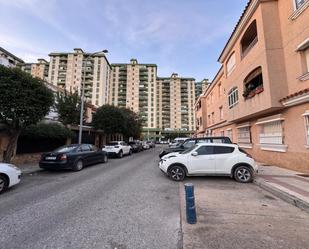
{"type": "Point", "coordinates": [181, 36]}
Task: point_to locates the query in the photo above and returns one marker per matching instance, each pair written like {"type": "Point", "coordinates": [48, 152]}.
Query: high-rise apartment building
{"type": "Point", "coordinates": [133, 86]}
{"type": "Point", "coordinates": [39, 69]}
{"type": "Point", "coordinates": [176, 97]}
{"type": "Point", "coordinates": [68, 70]}
{"type": "Point", "coordinates": [200, 87]}
{"type": "Point", "coordinates": [9, 60]}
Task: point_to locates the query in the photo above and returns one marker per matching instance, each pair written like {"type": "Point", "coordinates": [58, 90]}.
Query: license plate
{"type": "Point", "coordinates": [50, 158]}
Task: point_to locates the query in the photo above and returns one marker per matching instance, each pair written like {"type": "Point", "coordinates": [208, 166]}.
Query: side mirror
{"type": "Point", "coordinates": [194, 153]}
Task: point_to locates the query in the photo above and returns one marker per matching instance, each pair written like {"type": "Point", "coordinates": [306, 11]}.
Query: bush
{"type": "Point", "coordinates": [48, 131]}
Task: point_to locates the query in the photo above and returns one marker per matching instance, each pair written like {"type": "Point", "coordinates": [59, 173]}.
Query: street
{"type": "Point", "coordinates": [126, 203]}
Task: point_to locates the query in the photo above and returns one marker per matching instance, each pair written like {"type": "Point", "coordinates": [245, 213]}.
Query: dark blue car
{"type": "Point", "coordinates": [74, 156]}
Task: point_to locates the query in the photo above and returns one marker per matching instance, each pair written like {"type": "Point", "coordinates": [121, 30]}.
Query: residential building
{"type": "Point", "coordinates": [176, 97]}
{"type": "Point", "coordinates": [200, 87]}
{"type": "Point", "coordinates": [69, 70]}
{"type": "Point", "coordinates": [9, 60]}
{"type": "Point", "coordinates": [39, 69]}
{"type": "Point", "coordinates": [264, 82]}
{"type": "Point", "coordinates": [134, 86]}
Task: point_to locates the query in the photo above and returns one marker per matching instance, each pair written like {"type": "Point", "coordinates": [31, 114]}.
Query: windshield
{"type": "Point", "coordinates": [66, 148]}
{"type": "Point", "coordinates": [188, 150]}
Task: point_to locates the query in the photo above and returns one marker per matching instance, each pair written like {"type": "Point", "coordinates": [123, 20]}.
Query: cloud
{"type": "Point", "coordinates": [45, 12]}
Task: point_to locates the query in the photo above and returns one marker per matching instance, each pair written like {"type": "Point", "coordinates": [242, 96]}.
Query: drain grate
{"type": "Point", "coordinates": [303, 175]}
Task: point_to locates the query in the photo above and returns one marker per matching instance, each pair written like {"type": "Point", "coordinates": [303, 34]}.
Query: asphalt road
{"type": "Point", "coordinates": [126, 203]}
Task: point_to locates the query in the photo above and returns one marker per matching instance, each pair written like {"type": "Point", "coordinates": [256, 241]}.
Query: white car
{"type": "Point", "coordinates": [117, 148]}
{"type": "Point", "coordinates": [210, 159]}
{"type": "Point", "coordinates": [145, 146]}
{"type": "Point", "coordinates": [9, 176]}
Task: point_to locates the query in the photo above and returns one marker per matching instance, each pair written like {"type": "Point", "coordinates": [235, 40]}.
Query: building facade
{"type": "Point", "coordinates": [264, 82]}
{"type": "Point", "coordinates": [134, 86]}
{"type": "Point", "coordinates": [39, 69]}
{"type": "Point", "coordinates": [176, 97]}
{"type": "Point", "coordinates": [69, 70]}
{"type": "Point", "coordinates": [200, 87]}
{"type": "Point", "coordinates": [9, 60]}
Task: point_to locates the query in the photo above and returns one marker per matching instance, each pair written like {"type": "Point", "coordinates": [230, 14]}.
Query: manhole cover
{"type": "Point", "coordinates": [303, 175]}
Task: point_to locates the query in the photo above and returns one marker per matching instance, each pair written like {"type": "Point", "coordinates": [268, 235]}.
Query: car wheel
{"type": "Point", "coordinates": [120, 154]}
{"type": "Point", "coordinates": [105, 158]}
{"type": "Point", "coordinates": [79, 165]}
{"type": "Point", "coordinates": [4, 183]}
{"type": "Point", "coordinates": [177, 173]}
{"type": "Point", "coordinates": [243, 174]}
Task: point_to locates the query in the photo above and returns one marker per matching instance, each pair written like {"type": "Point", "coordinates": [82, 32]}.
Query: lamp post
{"type": "Point", "coordinates": [83, 94]}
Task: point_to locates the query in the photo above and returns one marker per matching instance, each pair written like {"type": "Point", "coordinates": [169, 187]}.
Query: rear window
{"type": "Point", "coordinates": [112, 144]}
{"type": "Point", "coordinates": [66, 149]}
{"type": "Point", "coordinates": [223, 149]}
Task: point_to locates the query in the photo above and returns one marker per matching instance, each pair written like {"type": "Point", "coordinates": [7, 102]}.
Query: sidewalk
{"type": "Point", "coordinates": [29, 168]}
{"type": "Point", "coordinates": [291, 186]}
{"type": "Point", "coordinates": [244, 216]}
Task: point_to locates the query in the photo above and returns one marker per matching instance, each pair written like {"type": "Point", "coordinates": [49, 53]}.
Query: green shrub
{"type": "Point", "coordinates": [48, 131]}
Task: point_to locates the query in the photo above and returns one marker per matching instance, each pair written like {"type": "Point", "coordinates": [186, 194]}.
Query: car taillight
{"type": "Point", "coordinates": [63, 157]}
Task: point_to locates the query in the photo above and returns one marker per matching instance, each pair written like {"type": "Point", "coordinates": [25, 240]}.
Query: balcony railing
{"type": "Point", "coordinates": [251, 45]}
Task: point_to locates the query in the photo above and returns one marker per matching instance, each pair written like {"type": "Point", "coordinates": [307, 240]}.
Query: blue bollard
{"type": "Point", "coordinates": [190, 203]}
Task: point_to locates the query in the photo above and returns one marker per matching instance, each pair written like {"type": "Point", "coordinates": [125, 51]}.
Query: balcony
{"type": "Point", "coordinates": [253, 84]}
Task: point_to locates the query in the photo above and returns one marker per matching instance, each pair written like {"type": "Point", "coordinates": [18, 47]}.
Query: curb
{"type": "Point", "coordinates": [282, 195]}
{"type": "Point", "coordinates": [27, 172]}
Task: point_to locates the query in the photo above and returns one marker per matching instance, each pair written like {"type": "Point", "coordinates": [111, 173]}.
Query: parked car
{"type": "Point", "coordinates": [210, 159]}
{"type": "Point", "coordinates": [9, 176]}
{"type": "Point", "coordinates": [146, 146]}
{"type": "Point", "coordinates": [151, 144]}
{"type": "Point", "coordinates": [136, 146]}
{"type": "Point", "coordinates": [74, 156]}
{"type": "Point", "coordinates": [117, 148]}
{"type": "Point", "coordinates": [188, 143]}
{"type": "Point", "coordinates": [177, 141]}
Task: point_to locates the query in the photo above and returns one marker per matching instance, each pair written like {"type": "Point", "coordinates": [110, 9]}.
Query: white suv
{"type": "Point", "coordinates": [117, 148]}
{"type": "Point", "coordinates": [210, 159]}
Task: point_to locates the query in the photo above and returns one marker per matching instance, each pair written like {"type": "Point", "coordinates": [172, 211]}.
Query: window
{"type": "Point", "coordinates": [189, 144]}
{"type": "Point", "coordinates": [205, 150]}
{"type": "Point", "coordinates": [299, 3]}
{"type": "Point", "coordinates": [230, 65]}
{"type": "Point", "coordinates": [306, 53]}
{"type": "Point", "coordinates": [221, 112]}
{"type": "Point", "coordinates": [306, 116]}
{"type": "Point", "coordinates": [229, 133]}
{"type": "Point", "coordinates": [233, 97]}
{"type": "Point", "coordinates": [244, 135]}
{"type": "Point", "coordinates": [249, 39]}
{"type": "Point", "coordinates": [271, 133]}
{"type": "Point", "coordinates": [223, 150]}
{"type": "Point", "coordinates": [219, 89]}
{"type": "Point", "coordinates": [253, 83]}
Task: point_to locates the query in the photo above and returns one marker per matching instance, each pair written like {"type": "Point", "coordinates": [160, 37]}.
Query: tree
{"type": "Point", "coordinates": [112, 119]}
{"type": "Point", "coordinates": [133, 123]}
{"type": "Point", "coordinates": [68, 106]}
{"type": "Point", "coordinates": [24, 101]}
{"type": "Point", "coordinates": [109, 118]}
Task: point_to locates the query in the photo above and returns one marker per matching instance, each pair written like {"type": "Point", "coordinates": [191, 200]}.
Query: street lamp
{"type": "Point", "coordinates": [83, 93]}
